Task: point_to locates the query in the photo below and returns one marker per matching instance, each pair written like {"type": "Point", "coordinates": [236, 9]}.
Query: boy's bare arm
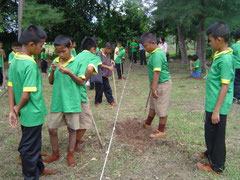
{"type": "Point", "coordinates": [156, 76]}
{"type": "Point", "coordinates": [12, 116]}
{"type": "Point", "coordinates": [88, 72]}
{"type": "Point", "coordinates": [51, 76]}
{"type": "Point", "coordinates": [221, 97]}
{"type": "Point", "coordinates": [76, 79]}
{"type": "Point", "coordinates": [23, 101]}
{"type": "Point", "coordinates": [111, 68]}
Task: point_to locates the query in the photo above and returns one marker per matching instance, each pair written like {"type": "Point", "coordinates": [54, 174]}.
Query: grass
{"type": "Point", "coordinates": [133, 156]}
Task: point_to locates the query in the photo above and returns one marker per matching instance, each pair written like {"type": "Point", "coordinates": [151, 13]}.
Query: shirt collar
{"type": "Point", "coordinates": [154, 50]}
{"type": "Point", "coordinates": [66, 63]}
{"type": "Point", "coordinates": [219, 54]}
{"type": "Point", "coordinates": [24, 57]}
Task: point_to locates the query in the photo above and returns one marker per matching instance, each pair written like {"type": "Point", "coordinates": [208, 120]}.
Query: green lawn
{"type": "Point", "coordinates": [133, 155]}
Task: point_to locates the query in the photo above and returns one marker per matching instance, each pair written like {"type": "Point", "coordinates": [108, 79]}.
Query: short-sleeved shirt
{"type": "Point", "coordinates": [220, 72]}
{"type": "Point", "coordinates": [73, 52]}
{"type": "Point", "coordinates": [120, 57]}
{"type": "Point", "coordinates": [86, 58]}
{"type": "Point", "coordinates": [133, 44]}
{"type": "Point", "coordinates": [44, 55]}
{"type": "Point", "coordinates": [106, 60]}
{"type": "Point", "coordinates": [65, 94]}
{"type": "Point", "coordinates": [121, 48]}
{"type": "Point", "coordinates": [97, 50]}
{"type": "Point", "coordinates": [1, 61]}
{"type": "Point", "coordinates": [10, 57]}
{"type": "Point", "coordinates": [116, 52]}
{"type": "Point", "coordinates": [24, 76]}
{"type": "Point", "coordinates": [158, 62]}
{"type": "Point", "coordinates": [236, 52]}
{"type": "Point", "coordinates": [197, 66]}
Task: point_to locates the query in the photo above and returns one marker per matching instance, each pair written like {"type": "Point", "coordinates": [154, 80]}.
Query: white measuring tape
{"type": "Point", "coordinates": [114, 126]}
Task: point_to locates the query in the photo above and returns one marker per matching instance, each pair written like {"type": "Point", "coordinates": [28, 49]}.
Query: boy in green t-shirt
{"type": "Point", "coordinates": [2, 57]}
{"type": "Point", "coordinates": [89, 63]}
{"type": "Point", "coordinates": [236, 52]}
{"type": "Point", "coordinates": [219, 96]}
{"type": "Point", "coordinates": [26, 101]}
{"type": "Point", "coordinates": [119, 60]}
{"type": "Point", "coordinates": [44, 61]}
{"type": "Point", "coordinates": [196, 67]}
{"type": "Point", "coordinates": [65, 107]}
{"type": "Point", "coordinates": [133, 47]}
{"type": "Point", "coordinates": [160, 84]}
{"type": "Point", "coordinates": [15, 48]}
{"type": "Point", "coordinates": [73, 51]}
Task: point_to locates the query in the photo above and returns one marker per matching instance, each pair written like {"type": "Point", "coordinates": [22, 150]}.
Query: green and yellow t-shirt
{"type": "Point", "coordinates": [220, 72]}
{"type": "Point", "coordinates": [10, 57]}
{"type": "Point", "coordinates": [24, 76]}
{"type": "Point", "coordinates": [197, 66]}
{"type": "Point", "coordinates": [97, 50]}
{"type": "Point", "coordinates": [44, 55]}
{"type": "Point", "coordinates": [85, 59]}
{"type": "Point", "coordinates": [73, 52]}
{"type": "Point", "coordinates": [120, 57]}
{"type": "Point", "coordinates": [1, 61]}
{"type": "Point", "coordinates": [133, 44]}
{"type": "Point", "coordinates": [158, 62]}
{"type": "Point", "coordinates": [121, 48]}
{"type": "Point", "coordinates": [236, 52]}
{"type": "Point", "coordinates": [65, 94]}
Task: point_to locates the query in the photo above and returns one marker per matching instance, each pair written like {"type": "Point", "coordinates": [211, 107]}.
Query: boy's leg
{"type": "Point", "coordinates": [30, 148]}
{"type": "Point", "coordinates": [215, 142]}
{"type": "Point", "coordinates": [135, 57]}
{"type": "Point", "coordinates": [144, 58]}
{"type": "Point", "coordinates": [119, 71]}
{"type": "Point", "coordinates": [107, 90]}
{"type": "Point", "coordinates": [54, 142]}
{"type": "Point", "coordinates": [122, 67]}
{"type": "Point", "coordinates": [99, 93]}
{"type": "Point", "coordinates": [71, 147]}
{"type": "Point", "coordinates": [1, 76]}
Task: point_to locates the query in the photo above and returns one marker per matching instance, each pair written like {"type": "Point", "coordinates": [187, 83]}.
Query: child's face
{"type": "Point", "coordinates": [214, 43]}
{"type": "Point", "coordinates": [109, 51]}
{"type": "Point", "coordinates": [126, 50]}
{"type": "Point", "coordinates": [1, 46]}
{"type": "Point", "coordinates": [93, 50]}
{"type": "Point", "coordinates": [63, 52]}
{"type": "Point", "coordinates": [149, 47]}
{"type": "Point", "coordinates": [16, 49]}
{"type": "Point", "coordinates": [36, 49]}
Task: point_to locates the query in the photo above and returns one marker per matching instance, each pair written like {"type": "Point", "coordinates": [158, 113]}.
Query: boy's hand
{"type": "Point", "coordinates": [16, 110]}
{"type": "Point", "coordinates": [112, 62]}
{"type": "Point", "coordinates": [13, 119]}
{"type": "Point", "coordinates": [154, 93]}
{"type": "Point", "coordinates": [54, 66]}
{"type": "Point", "coordinates": [111, 68]}
{"type": "Point", "coordinates": [64, 70]}
{"type": "Point", "coordinates": [215, 118]}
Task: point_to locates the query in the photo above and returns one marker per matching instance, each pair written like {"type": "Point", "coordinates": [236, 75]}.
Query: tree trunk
{"type": "Point", "coordinates": [20, 13]}
{"type": "Point", "coordinates": [201, 45]}
{"type": "Point", "coordinates": [182, 45]}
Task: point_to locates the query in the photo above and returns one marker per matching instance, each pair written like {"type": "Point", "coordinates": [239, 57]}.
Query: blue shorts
{"type": "Point", "coordinates": [195, 74]}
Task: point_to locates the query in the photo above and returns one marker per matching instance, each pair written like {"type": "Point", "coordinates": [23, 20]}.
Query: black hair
{"type": "Point", "coordinates": [148, 37]}
{"type": "Point", "coordinates": [219, 29]}
{"type": "Point", "coordinates": [237, 34]}
{"type": "Point", "coordinates": [109, 45]}
{"type": "Point", "coordinates": [15, 43]}
{"type": "Point", "coordinates": [88, 43]}
{"type": "Point", "coordinates": [62, 40]}
{"type": "Point", "coordinates": [32, 34]}
{"type": "Point", "coordinates": [126, 48]}
{"type": "Point", "coordinates": [43, 49]}
{"type": "Point", "coordinates": [162, 38]}
{"type": "Point", "coordinates": [194, 57]}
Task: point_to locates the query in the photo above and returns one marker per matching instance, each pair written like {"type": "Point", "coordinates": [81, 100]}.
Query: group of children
{"type": "Point", "coordinates": [70, 105]}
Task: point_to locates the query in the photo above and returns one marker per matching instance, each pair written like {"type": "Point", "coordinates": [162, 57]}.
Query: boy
{"type": "Point", "coordinates": [65, 106]}
{"type": "Point", "coordinates": [89, 65]}
{"type": "Point", "coordinates": [119, 61]}
{"type": "Point", "coordinates": [133, 47]}
{"type": "Point", "coordinates": [196, 67]}
{"type": "Point", "coordinates": [2, 57]}
{"type": "Point", "coordinates": [219, 96]}
{"type": "Point", "coordinates": [107, 69]}
{"type": "Point", "coordinates": [73, 52]}
{"type": "Point", "coordinates": [15, 48]}
{"type": "Point", "coordinates": [236, 51]}
{"type": "Point", "coordinates": [44, 61]}
{"type": "Point", "coordinates": [26, 101]}
{"type": "Point", "coordinates": [160, 84]}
